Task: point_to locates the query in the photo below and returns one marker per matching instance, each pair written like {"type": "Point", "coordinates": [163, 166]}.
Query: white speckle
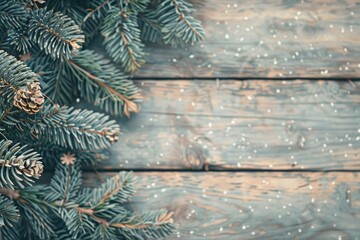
{"type": "Point", "coordinates": [191, 56]}
{"type": "Point", "coordinates": [221, 229]}
{"type": "Point", "coordinates": [174, 60]}
{"type": "Point", "coordinates": [227, 36]}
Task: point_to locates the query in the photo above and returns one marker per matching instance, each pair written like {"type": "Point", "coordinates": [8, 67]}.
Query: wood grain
{"type": "Point", "coordinates": [266, 39]}
{"type": "Point", "coordinates": [256, 124]}
{"type": "Point", "coordinates": [277, 205]}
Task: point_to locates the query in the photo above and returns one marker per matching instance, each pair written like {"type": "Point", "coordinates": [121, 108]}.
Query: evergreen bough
{"type": "Point", "coordinates": [44, 66]}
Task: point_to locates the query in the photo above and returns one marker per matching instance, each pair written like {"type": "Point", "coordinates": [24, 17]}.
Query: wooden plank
{"type": "Point", "coordinates": [242, 125]}
{"type": "Point", "coordinates": [277, 205]}
{"type": "Point", "coordinates": [276, 39]}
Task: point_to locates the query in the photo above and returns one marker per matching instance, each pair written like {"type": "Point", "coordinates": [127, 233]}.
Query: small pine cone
{"type": "Point", "coordinates": [29, 100]}
{"type": "Point", "coordinates": [31, 168]}
{"type": "Point", "coordinates": [113, 135]}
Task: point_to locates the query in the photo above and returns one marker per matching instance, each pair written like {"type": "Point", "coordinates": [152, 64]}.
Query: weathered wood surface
{"type": "Point", "coordinates": [256, 124]}
{"type": "Point", "coordinates": [276, 39]}
{"type": "Point", "coordinates": [277, 205]}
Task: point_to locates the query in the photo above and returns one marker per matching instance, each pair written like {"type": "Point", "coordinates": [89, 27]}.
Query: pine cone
{"type": "Point", "coordinates": [112, 135]}
{"type": "Point", "coordinates": [31, 168]}
{"type": "Point", "coordinates": [29, 100]}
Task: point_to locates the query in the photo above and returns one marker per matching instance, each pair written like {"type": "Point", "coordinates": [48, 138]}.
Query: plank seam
{"type": "Point", "coordinates": [226, 170]}
{"type": "Point", "coordinates": [243, 78]}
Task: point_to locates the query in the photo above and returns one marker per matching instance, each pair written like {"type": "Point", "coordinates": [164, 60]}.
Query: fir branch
{"type": "Point", "coordinates": [9, 233]}
{"type": "Point", "coordinates": [97, 9]}
{"type": "Point", "coordinates": [18, 38]}
{"type": "Point", "coordinates": [116, 189]}
{"type": "Point", "coordinates": [55, 33]}
{"type": "Point", "coordinates": [151, 225]}
{"type": "Point", "coordinates": [178, 23]}
{"type": "Point", "coordinates": [37, 217]}
{"type": "Point", "coordinates": [122, 39]}
{"type": "Point", "coordinates": [78, 11]}
{"type": "Point", "coordinates": [150, 28]}
{"type": "Point", "coordinates": [6, 118]}
{"type": "Point", "coordinates": [17, 165]}
{"type": "Point", "coordinates": [72, 128]}
{"type": "Point", "coordinates": [9, 214]}
{"type": "Point", "coordinates": [56, 82]}
{"type": "Point", "coordinates": [12, 14]}
{"type": "Point", "coordinates": [137, 6]}
{"type": "Point", "coordinates": [14, 76]}
{"type": "Point", "coordinates": [102, 84]}
{"type": "Point", "coordinates": [65, 184]}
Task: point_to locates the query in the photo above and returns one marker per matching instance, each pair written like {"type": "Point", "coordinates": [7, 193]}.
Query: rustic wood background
{"type": "Point", "coordinates": [254, 133]}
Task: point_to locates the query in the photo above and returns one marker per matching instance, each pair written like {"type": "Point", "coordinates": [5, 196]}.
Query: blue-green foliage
{"type": "Point", "coordinates": [44, 66]}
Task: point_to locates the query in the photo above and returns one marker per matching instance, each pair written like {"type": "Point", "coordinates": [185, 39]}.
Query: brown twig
{"type": "Point", "coordinates": [129, 105]}
{"type": "Point", "coordinates": [182, 18]}
{"type": "Point", "coordinates": [12, 194]}
{"type": "Point", "coordinates": [166, 218]}
{"type": "Point", "coordinates": [110, 194]}
{"type": "Point", "coordinates": [95, 10]}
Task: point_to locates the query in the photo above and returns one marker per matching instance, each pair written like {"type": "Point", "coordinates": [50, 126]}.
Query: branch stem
{"type": "Point", "coordinates": [12, 194]}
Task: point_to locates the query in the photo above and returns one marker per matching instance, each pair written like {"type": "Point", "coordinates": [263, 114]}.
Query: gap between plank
{"type": "Point", "coordinates": [223, 170]}
{"type": "Point", "coordinates": [242, 78]}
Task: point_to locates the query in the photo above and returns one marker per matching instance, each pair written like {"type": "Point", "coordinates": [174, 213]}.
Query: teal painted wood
{"type": "Point", "coordinates": [262, 124]}
{"type": "Point", "coordinates": [232, 206]}
{"type": "Point", "coordinates": [266, 39]}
